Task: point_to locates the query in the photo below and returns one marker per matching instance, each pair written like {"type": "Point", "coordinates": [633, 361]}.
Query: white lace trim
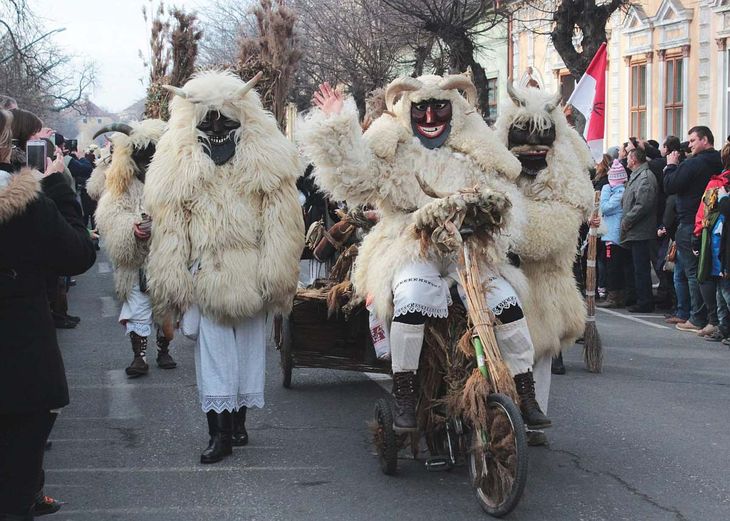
{"type": "Point", "coordinates": [429, 311]}
{"type": "Point", "coordinates": [232, 402]}
{"type": "Point", "coordinates": [506, 303]}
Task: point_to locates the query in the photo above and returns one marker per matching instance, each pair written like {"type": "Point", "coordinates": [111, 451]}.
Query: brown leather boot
{"type": "Point", "coordinates": [164, 358]}
{"type": "Point", "coordinates": [139, 366]}
{"type": "Point", "coordinates": [615, 299]}
{"type": "Point", "coordinates": [531, 413]}
{"type": "Point", "coordinates": [405, 392]}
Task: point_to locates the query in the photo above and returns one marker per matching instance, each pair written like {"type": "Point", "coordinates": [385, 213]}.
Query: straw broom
{"type": "Point", "coordinates": [592, 348]}
{"type": "Point", "coordinates": [483, 321]}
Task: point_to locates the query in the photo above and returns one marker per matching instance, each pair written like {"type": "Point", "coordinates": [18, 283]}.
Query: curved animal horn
{"type": "Point", "coordinates": [428, 190]}
{"type": "Point", "coordinates": [461, 82]}
{"type": "Point", "coordinates": [250, 84]}
{"type": "Point", "coordinates": [553, 103]}
{"type": "Point", "coordinates": [113, 127]}
{"type": "Point", "coordinates": [513, 94]}
{"type": "Point", "coordinates": [397, 87]}
{"type": "Point", "coordinates": [177, 91]}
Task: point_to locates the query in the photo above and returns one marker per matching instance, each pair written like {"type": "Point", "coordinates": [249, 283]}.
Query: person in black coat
{"type": "Point", "coordinates": [688, 180]}
{"type": "Point", "coordinates": [41, 232]}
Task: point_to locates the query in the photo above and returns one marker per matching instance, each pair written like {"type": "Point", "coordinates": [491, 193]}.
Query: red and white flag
{"type": "Point", "coordinates": [589, 97]}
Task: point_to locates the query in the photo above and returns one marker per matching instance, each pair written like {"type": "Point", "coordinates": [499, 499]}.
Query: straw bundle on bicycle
{"type": "Point", "coordinates": [592, 350]}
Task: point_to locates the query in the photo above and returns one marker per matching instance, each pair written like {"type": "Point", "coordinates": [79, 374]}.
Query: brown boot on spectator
{"type": "Point", "coordinates": [615, 299]}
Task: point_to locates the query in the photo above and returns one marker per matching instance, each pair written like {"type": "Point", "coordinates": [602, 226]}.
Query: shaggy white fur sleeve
{"type": "Point", "coordinates": [169, 279]}
{"type": "Point", "coordinates": [95, 184]}
{"type": "Point", "coordinates": [344, 162]}
{"type": "Point", "coordinates": [282, 242]}
{"type": "Point", "coordinates": [116, 218]}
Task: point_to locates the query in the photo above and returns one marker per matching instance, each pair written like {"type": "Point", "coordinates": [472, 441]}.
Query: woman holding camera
{"type": "Point", "coordinates": [41, 233]}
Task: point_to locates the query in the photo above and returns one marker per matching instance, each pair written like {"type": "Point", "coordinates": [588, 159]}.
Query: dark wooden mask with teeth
{"type": "Point", "coordinates": [219, 142]}
{"type": "Point", "coordinates": [431, 121]}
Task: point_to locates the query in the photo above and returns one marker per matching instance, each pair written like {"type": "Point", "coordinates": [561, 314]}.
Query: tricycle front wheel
{"type": "Point", "coordinates": [498, 457]}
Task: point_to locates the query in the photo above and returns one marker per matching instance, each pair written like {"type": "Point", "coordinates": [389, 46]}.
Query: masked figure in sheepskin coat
{"type": "Point", "coordinates": [97, 180]}
{"type": "Point", "coordinates": [558, 197]}
{"type": "Point", "coordinates": [227, 237]}
{"type": "Point", "coordinates": [121, 219]}
{"type": "Point", "coordinates": [431, 131]}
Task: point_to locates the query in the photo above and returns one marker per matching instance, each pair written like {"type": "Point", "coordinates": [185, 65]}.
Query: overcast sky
{"type": "Point", "coordinates": [110, 33]}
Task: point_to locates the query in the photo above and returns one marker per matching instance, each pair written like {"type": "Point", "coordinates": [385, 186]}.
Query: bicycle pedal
{"type": "Point", "coordinates": [438, 464]}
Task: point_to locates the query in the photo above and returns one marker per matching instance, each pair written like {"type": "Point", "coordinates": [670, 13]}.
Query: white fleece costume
{"type": "Point", "coordinates": [379, 168]}
{"type": "Point", "coordinates": [557, 200]}
{"type": "Point", "coordinates": [238, 227]}
{"type": "Point", "coordinates": [120, 208]}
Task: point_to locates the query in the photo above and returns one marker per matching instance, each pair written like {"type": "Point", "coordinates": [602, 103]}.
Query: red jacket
{"type": "Point", "coordinates": [716, 181]}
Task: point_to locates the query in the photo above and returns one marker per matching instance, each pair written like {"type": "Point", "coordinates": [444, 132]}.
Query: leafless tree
{"type": "Point", "coordinates": [33, 69]}
{"type": "Point", "coordinates": [174, 37]}
{"type": "Point", "coordinates": [225, 22]}
{"type": "Point", "coordinates": [274, 50]}
{"type": "Point", "coordinates": [568, 22]}
{"type": "Point", "coordinates": [453, 27]}
{"type": "Point", "coordinates": [349, 43]}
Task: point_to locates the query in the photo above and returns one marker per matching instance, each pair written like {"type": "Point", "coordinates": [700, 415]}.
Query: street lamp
{"type": "Point", "coordinates": [59, 30]}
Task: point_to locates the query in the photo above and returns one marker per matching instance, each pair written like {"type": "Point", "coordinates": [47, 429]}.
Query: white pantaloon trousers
{"type": "Point", "coordinates": [136, 314]}
{"type": "Point", "coordinates": [230, 364]}
{"type": "Point", "coordinates": [420, 288]}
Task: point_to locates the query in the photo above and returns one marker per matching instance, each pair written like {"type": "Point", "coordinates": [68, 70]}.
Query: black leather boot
{"type": "Point", "coordinates": [405, 392]}
{"type": "Point", "coordinates": [45, 505]}
{"type": "Point", "coordinates": [164, 359]}
{"type": "Point", "coordinates": [556, 365]}
{"type": "Point", "coordinates": [532, 415]}
{"type": "Point", "coordinates": [240, 436]}
{"type": "Point", "coordinates": [139, 366]}
{"type": "Point", "coordinates": [219, 446]}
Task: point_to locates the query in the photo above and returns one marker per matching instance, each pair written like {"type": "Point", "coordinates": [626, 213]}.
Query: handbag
{"type": "Point", "coordinates": [671, 256]}
{"type": "Point", "coordinates": [672, 251]}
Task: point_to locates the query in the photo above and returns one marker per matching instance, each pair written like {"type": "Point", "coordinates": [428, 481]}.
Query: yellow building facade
{"type": "Point", "coordinates": [668, 67]}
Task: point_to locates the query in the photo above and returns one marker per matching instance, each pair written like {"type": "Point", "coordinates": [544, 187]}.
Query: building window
{"type": "Point", "coordinates": [637, 110]}
{"type": "Point", "coordinates": [673, 96]}
{"type": "Point", "coordinates": [86, 120]}
{"type": "Point", "coordinates": [567, 86]}
{"type": "Point", "coordinates": [98, 120]}
{"type": "Point", "coordinates": [492, 100]}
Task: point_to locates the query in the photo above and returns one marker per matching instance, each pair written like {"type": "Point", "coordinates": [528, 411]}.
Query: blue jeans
{"type": "Point", "coordinates": [681, 289]}
{"type": "Point", "coordinates": [698, 311]}
{"type": "Point", "coordinates": [723, 306]}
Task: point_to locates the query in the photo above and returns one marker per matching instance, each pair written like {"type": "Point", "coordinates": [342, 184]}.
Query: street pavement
{"type": "Point", "coordinates": [646, 440]}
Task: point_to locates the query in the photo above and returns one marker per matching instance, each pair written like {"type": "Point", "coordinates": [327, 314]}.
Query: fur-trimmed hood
{"type": "Point", "coordinates": [567, 176]}
{"type": "Point", "coordinates": [16, 193]}
{"type": "Point", "coordinates": [122, 169]}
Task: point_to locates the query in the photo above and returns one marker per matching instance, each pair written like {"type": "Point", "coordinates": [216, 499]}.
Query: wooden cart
{"type": "Point", "coordinates": [309, 337]}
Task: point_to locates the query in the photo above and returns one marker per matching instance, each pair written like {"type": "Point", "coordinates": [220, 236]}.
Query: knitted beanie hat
{"type": "Point", "coordinates": [617, 174]}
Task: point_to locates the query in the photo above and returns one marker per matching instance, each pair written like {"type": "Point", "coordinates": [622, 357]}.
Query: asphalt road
{"type": "Point", "coordinates": [646, 440]}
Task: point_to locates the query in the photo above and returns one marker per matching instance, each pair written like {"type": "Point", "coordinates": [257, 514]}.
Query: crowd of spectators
{"type": "Point", "coordinates": [664, 209]}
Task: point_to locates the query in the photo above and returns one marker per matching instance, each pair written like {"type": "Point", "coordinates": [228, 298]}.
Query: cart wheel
{"type": "Point", "coordinates": [285, 352]}
{"type": "Point", "coordinates": [498, 457]}
{"type": "Point", "coordinates": [386, 441]}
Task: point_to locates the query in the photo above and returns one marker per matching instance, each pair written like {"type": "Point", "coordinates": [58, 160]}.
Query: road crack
{"type": "Point", "coordinates": [576, 460]}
